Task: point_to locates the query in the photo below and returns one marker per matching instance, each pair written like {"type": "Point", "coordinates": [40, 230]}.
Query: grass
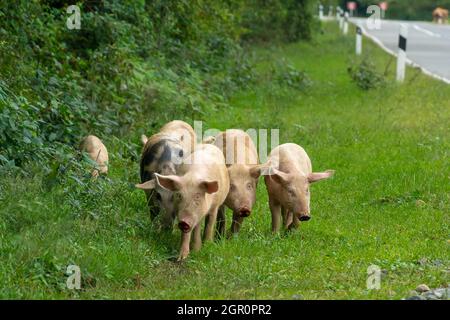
{"type": "Point", "coordinates": [388, 203]}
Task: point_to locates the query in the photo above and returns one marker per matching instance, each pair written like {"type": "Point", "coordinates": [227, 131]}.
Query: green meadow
{"type": "Point", "coordinates": [387, 205]}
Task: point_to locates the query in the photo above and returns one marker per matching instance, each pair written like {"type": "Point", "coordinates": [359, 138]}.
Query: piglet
{"type": "Point", "coordinates": [288, 176]}
{"type": "Point", "coordinates": [163, 153]}
{"type": "Point", "coordinates": [241, 159]}
{"type": "Point", "coordinates": [198, 191]}
{"type": "Point", "coordinates": [97, 152]}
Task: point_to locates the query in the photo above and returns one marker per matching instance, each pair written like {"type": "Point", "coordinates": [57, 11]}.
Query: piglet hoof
{"type": "Point", "coordinates": [292, 227]}
{"type": "Point", "coordinates": [231, 234]}
{"type": "Point", "coordinates": [183, 255]}
{"type": "Point", "coordinates": [173, 259]}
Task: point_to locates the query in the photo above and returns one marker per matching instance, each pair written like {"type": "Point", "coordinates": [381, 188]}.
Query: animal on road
{"type": "Point", "coordinates": [440, 15]}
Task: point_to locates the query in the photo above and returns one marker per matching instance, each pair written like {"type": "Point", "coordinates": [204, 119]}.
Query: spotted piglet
{"type": "Point", "coordinates": [163, 153]}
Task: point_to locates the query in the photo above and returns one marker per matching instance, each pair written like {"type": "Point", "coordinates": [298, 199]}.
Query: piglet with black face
{"type": "Point", "coordinates": [198, 191]}
{"type": "Point", "coordinates": [288, 176]}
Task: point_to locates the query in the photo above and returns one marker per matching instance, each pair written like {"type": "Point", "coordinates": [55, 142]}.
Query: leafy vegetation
{"type": "Point", "coordinates": [130, 61]}
{"type": "Point", "coordinates": [365, 75]}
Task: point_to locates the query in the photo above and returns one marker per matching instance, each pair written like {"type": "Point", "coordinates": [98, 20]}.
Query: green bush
{"type": "Point", "coordinates": [365, 76]}
{"type": "Point", "coordinates": [289, 76]}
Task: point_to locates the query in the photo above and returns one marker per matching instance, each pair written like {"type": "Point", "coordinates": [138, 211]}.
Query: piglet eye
{"type": "Point", "coordinates": [181, 153]}
{"type": "Point", "coordinates": [249, 186]}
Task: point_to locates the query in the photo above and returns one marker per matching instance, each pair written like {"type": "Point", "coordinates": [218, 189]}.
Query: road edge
{"type": "Point", "coordinates": [391, 52]}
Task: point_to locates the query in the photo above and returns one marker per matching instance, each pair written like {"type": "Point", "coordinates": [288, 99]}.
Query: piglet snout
{"type": "Point", "coordinates": [184, 226]}
{"type": "Point", "coordinates": [304, 217]}
{"type": "Point", "coordinates": [244, 212]}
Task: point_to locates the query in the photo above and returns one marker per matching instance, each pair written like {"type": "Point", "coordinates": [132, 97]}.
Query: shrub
{"type": "Point", "coordinates": [365, 76]}
{"type": "Point", "coordinates": [289, 76]}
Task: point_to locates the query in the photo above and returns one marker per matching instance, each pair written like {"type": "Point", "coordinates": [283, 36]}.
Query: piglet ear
{"type": "Point", "coordinates": [148, 185]}
{"type": "Point", "coordinates": [317, 176]}
{"type": "Point", "coordinates": [263, 169]}
{"type": "Point", "coordinates": [209, 140]}
{"type": "Point", "coordinates": [171, 183]}
{"type": "Point", "coordinates": [210, 186]}
{"type": "Point", "coordinates": [278, 176]}
{"type": "Point", "coordinates": [256, 171]}
{"type": "Point", "coordinates": [144, 139]}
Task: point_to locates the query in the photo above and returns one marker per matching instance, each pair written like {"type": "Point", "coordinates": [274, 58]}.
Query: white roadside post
{"type": "Point", "coordinates": [341, 20]}
{"type": "Point", "coordinates": [330, 11]}
{"type": "Point", "coordinates": [320, 12]}
{"type": "Point", "coordinates": [346, 23]}
{"type": "Point", "coordinates": [358, 40]}
{"type": "Point", "coordinates": [401, 59]}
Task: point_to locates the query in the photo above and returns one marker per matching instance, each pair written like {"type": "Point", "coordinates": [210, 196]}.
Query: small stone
{"type": "Point", "coordinates": [431, 296]}
{"type": "Point", "coordinates": [416, 298]}
{"type": "Point", "coordinates": [438, 293]}
{"type": "Point", "coordinates": [423, 261]}
{"type": "Point", "coordinates": [420, 203]}
{"type": "Point", "coordinates": [442, 293]}
{"type": "Point", "coordinates": [438, 263]}
{"type": "Point", "coordinates": [422, 288]}
{"type": "Point", "coordinates": [413, 293]}
{"type": "Point", "coordinates": [297, 297]}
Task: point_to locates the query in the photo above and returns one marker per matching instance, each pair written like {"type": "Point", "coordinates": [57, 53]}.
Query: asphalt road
{"type": "Point", "coordinates": [428, 44]}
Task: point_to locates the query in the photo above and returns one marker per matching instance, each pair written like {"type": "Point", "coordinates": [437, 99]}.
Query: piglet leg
{"type": "Point", "coordinates": [295, 223]}
{"type": "Point", "coordinates": [221, 221]}
{"type": "Point", "coordinates": [275, 209]}
{"type": "Point", "coordinates": [236, 224]}
{"type": "Point", "coordinates": [288, 218]}
{"type": "Point", "coordinates": [197, 240]}
{"type": "Point", "coordinates": [185, 240]}
{"type": "Point", "coordinates": [210, 225]}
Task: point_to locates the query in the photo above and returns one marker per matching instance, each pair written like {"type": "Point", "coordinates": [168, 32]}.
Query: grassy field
{"type": "Point", "coordinates": [387, 205]}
